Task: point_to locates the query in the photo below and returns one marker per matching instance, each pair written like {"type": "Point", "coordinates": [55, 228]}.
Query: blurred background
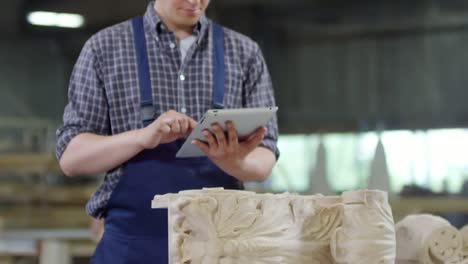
{"type": "Point", "coordinates": [372, 94]}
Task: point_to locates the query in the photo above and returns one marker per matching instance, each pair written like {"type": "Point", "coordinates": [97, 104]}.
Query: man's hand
{"type": "Point", "coordinates": [167, 128]}
{"type": "Point", "coordinates": [104, 153]}
{"type": "Point", "coordinates": [229, 154]}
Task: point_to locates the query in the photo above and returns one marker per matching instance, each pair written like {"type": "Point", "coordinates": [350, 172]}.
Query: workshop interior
{"type": "Point", "coordinates": [370, 95]}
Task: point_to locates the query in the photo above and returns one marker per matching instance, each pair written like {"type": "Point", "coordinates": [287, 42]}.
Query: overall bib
{"type": "Point", "coordinates": [135, 233]}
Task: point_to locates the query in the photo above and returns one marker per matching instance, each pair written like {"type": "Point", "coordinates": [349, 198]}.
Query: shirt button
{"type": "Point", "coordinates": [182, 77]}
{"type": "Point", "coordinates": [172, 45]}
{"type": "Point", "coordinates": [183, 110]}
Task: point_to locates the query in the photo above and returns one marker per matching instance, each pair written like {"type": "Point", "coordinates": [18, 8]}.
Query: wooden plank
{"type": "Point", "coordinates": [69, 194]}
{"type": "Point", "coordinates": [26, 123]}
{"type": "Point", "coordinates": [31, 242]}
{"type": "Point", "coordinates": [433, 205]}
{"type": "Point", "coordinates": [52, 195]}
{"type": "Point", "coordinates": [45, 217]}
{"type": "Point", "coordinates": [31, 163]}
{"type": "Point", "coordinates": [80, 234]}
{"type": "Point", "coordinates": [13, 247]}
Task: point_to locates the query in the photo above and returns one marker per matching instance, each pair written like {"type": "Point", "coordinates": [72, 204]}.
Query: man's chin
{"type": "Point", "coordinates": [189, 22]}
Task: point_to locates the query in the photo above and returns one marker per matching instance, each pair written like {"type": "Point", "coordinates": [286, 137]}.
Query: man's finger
{"type": "Point", "coordinates": [202, 146]}
{"type": "Point", "coordinates": [220, 136]}
{"type": "Point", "coordinates": [167, 120]}
{"type": "Point", "coordinates": [192, 123]}
{"type": "Point", "coordinates": [232, 134]}
{"type": "Point", "coordinates": [184, 126]}
{"type": "Point", "coordinates": [175, 126]}
{"type": "Point", "coordinates": [211, 139]}
{"type": "Point", "coordinates": [255, 138]}
{"type": "Point", "coordinates": [164, 129]}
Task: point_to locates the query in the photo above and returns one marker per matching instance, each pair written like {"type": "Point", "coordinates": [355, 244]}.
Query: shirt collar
{"type": "Point", "coordinates": [156, 25]}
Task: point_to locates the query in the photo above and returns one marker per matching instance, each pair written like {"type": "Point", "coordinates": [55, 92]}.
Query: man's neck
{"type": "Point", "coordinates": [181, 32]}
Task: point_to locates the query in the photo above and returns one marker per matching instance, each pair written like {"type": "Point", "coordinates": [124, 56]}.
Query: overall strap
{"type": "Point", "coordinates": [146, 98]}
{"type": "Point", "coordinates": [218, 67]}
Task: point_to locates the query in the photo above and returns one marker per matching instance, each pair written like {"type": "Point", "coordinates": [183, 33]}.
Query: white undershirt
{"type": "Point", "coordinates": [185, 45]}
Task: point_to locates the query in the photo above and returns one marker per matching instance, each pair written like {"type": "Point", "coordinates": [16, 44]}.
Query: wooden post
{"type": "Point", "coordinates": [55, 252]}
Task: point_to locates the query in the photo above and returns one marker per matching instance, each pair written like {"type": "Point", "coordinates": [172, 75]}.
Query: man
{"type": "Point", "coordinates": [174, 64]}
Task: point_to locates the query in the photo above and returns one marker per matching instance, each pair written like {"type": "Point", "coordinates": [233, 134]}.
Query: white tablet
{"type": "Point", "coordinates": [245, 120]}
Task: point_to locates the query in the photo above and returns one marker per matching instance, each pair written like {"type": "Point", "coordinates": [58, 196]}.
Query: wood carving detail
{"type": "Point", "coordinates": [233, 227]}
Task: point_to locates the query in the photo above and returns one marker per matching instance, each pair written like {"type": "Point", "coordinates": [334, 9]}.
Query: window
{"type": "Point", "coordinates": [435, 159]}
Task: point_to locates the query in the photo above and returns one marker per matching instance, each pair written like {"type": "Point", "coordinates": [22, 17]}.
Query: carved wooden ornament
{"type": "Point", "coordinates": [214, 226]}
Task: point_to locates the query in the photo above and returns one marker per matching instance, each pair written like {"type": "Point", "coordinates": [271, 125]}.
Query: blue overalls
{"type": "Point", "coordinates": [135, 233]}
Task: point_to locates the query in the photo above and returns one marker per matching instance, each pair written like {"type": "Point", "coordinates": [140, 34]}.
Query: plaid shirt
{"type": "Point", "coordinates": [104, 94]}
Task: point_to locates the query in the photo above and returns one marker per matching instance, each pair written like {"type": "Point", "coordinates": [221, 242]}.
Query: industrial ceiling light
{"type": "Point", "coordinates": [52, 19]}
